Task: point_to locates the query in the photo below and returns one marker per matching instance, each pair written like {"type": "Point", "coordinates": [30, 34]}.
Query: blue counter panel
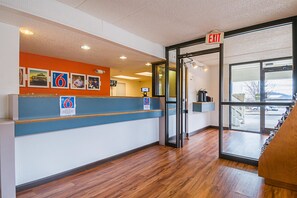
{"type": "Point", "coordinates": [48, 107]}
{"type": "Point", "coordinates": [34, 107]}
{"type": "Point", "coordinates": [30, 128]}
{"type": "Point", "coordinates": [109, 105]}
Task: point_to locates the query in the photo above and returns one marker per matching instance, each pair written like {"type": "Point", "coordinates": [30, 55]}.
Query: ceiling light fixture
{"type": "Point", "coordinates": [148, 64]}
{"type": "Point", "coordinates": [144, 74]}
{"type": "Point", "coordinates": [196, 64]}
{"type": "Point", "coordinates": [26, 31]}
{"type": "Point", "coordinates": [126, 77]}
{"type": "Point", "coordinates": [123, 57]}
{"type": "Point", "coordinates": [85, 47]}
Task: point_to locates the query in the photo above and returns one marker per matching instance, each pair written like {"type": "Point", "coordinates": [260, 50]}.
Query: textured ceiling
{"type": "Point", "coordinates": [170, 22]}
{"type": "Point", "coordinates": [267, 44]}
{"type": "Point", "coordinates": [159, 21]}
{"type": "Point", "coordinates": [55, 40]}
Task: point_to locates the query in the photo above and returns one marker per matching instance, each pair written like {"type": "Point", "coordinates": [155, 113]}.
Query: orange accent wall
{"type": "Point", "coordinates": [43, 62]}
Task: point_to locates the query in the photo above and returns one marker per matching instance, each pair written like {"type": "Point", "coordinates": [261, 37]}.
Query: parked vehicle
{"type": "Point", "coordinates": [271, 108]}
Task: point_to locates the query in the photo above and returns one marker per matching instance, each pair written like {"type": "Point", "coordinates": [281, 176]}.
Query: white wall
{"type": "Point", "coordinates": [197, 79]}
{"type": "Point", "coordinates": [214, 92]}
{"type": "Point", "coordinates": [42, 155]}
{"type": "Point", "coordinates": [9, 65]}
{"type": "Point", "coordinates": [133, 87]}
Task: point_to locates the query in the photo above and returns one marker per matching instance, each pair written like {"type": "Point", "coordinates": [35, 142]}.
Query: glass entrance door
{"type": "Point", "coordinates": [278, 88]}
{"type": "Point", "coordinates": [176, 100]}
{"type": "Point", "coordinates": [173, 97]}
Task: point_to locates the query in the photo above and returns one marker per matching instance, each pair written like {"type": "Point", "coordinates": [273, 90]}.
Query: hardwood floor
{"type": "Point", "coordinates": [158, 171]}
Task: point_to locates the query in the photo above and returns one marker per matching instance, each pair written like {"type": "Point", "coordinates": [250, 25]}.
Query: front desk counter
{"type": "Point", "coordinates": [48, 145]}
{"type": "Point", "coordinates": [39, 114]}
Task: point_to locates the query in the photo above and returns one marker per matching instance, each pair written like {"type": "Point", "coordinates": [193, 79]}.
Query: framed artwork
{"type": "Point", "coordinates": [78, 81]}
{"type": "Point", "coordinates": [59, 80]}
{"type": "Point", "coordinates": [38, 78]}
{"type": "Point", "coordinates": [93, 83]}
{"type": "Point", "coordinates": [22, 74]}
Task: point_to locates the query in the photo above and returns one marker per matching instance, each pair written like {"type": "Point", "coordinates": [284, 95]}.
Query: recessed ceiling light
{"type": "Point", "coordinates": [26, 31]}
{"type": "Point", "coordinates": [85, 47]}
{"type": "Point", "coordinates": [145, 73]}
{"type": "Point", "coordinates": [123, 57]}
{"type": "Point", "coordinates": [148, 64]}
{"type": "Point", "coordinates": [126, 77]}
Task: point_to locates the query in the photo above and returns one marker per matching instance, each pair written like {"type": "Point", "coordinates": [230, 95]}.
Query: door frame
{"type": "Point", "coordinates": [181, 124]}
{"type": "Point", "coordinates": [241, 31]}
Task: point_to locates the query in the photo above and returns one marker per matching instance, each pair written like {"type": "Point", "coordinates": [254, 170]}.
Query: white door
{"type": "Point", "coordinates": [121, 89]}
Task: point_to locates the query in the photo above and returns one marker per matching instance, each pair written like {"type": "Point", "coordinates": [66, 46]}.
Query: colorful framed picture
{"type": "Point", "coordinates": [78, 81]}
{"type": "Point", "coordinates": [38, 78]}
{"type": "Point", "coordinates": [22, 75]}
{"type": "Point", "coordinates": [93, 83]}
{"type": "Point", "coordinates": [59, 80]}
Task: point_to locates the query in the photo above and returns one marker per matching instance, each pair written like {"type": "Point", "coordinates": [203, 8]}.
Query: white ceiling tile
{"type": "Point", "coordinates": [162, 21]}
{"type": "Point", "coordinates": [170, 22]}
{"type": "Point", "coordinates": [113, 10]}
{"type": "Point", "coordinates": [72, 3]}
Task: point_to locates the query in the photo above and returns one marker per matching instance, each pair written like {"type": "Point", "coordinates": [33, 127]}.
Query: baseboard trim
{"type": "Point", "coordinates": [51, 178]}
{"type": "Point", "coordinates": [199, 130]}
{"type": "Point", "coordinates": [217, 127]}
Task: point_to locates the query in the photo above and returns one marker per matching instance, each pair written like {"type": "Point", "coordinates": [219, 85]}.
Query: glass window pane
{"type": "Point", "coordinates": [272, 115]}
{"type": "Point", "coordinates": [238, 140]}
{"type": "Point", "coordinates": [245, 82]}
{"type": "Point", "coordinates": [243, 144]}
{"type": "Point", "coordinates": [172, 75]}
{"type": "Point", "coordinates": [172, 84]}
{"type": "Point", "coordinates": [160, 80]}
{"type": "Point", "coordinates": [245, 118]}
{"type": "Point", "coordinates": [278, 85]}
{"type": "Point", "coordinates": [260, 45]}
{"type": "Point", "coordinates": [171, 112]}
{"type": "Point", "coordinates": [278, 63]}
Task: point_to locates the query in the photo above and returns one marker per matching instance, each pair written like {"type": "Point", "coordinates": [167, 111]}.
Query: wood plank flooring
{"type": "Point", "coordinates": [158, 171]}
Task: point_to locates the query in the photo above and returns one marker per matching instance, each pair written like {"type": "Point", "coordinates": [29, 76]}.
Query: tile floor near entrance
{"type": "Point", "coordinates": [158, 171]}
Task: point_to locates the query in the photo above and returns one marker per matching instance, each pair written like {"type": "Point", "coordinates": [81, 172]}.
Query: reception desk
{"type": "Point", "coordinates": [39, 114]}
{"type": "Point", "coordinates": [48, 145]}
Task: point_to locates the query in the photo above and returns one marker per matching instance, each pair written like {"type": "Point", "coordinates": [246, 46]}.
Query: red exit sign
{"type": "Point", "coordinates": [214, 38]}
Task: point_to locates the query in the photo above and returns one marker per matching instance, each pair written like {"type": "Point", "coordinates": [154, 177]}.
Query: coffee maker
{"type": "Point", "coordinates": [202, 95]}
